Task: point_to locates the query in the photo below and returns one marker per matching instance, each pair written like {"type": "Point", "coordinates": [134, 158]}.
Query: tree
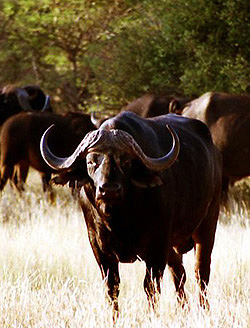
{"type": "Point", "coordinates": [53, 43]}
{"type": "Point", "coordinates": [101, 54]}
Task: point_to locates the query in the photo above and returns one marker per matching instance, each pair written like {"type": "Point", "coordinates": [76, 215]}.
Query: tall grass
{"type": "Point", "coordinates": [49, 277]}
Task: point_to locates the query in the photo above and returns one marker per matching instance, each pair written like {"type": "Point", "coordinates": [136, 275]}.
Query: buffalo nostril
{"type": "Point", "coordinates": [110, 189]}
{"type": "Point", "coordinates": [101, 190]}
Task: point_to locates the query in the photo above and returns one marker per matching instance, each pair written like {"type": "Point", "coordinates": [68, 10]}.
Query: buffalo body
{"type": "Point", "coordinates": [136, 207]}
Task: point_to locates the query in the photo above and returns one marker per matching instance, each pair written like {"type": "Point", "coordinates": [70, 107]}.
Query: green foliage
{"type": "Point", "coordinates": [103, 53]}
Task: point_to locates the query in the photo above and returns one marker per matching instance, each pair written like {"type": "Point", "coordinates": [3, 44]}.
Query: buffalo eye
{"type": "Point", "coordinates": [124, 163]}
{"type": "Point", "coordinates": [93, 161]}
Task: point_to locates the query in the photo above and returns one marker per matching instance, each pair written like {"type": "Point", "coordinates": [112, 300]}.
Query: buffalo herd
{"type": "Point", "coordinates": [149, 180]}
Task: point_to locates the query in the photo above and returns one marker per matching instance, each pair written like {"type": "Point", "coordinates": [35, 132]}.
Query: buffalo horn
{"type": "Point", "coordinates": [59, 163]}
{"type": "Point", "coordinates": [46, 103]}
{"type": "Point", "coordinates": [96, 122]}
{"type": "Point", "coordinates": [154, 164]}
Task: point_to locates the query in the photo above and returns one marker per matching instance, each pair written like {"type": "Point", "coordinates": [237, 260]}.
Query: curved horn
{"type": "Point", "coordinates": [46, 105]}
{"type": "Point", "coordinates": [59, 163]}
{"type": "Point", "coordinates": [173, 105]}
{"type": "Point", "coordinates": [23, 99]}
{"type": "Point", "coordinates": [94, 119]}
{"type": "Point", "coordinates": [97, 122]}
{"type": "Point", "coordinates": [155, 164]}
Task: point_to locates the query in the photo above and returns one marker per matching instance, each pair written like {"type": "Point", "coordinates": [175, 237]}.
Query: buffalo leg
{"type": "Point", "coordinates": [20, 175]}
{"type": "Point", "coordinates": [178, 273]}
{"type": "Point", "coordinates": [110, 274]}
{"type": "Point", "coordinates": [152, 281]}
{"type": "Point", "coordinates": [46, 177]}
{"type": "Point", "coordinates": [6, 174]}
{"type": "Point", "coordinates": [225, 189]}
{"type": "Point", "coordinates": [204, 242]}
{"type": "Point", "coordinates": [202, 271]}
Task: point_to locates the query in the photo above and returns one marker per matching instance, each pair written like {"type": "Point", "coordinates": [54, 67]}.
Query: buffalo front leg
{"type": "Point", "coordinates": [152, 282]}
{"type": "Point", "coordinates": [110, 274]}
{"type": "Point", "coordinates": [179, 275]}
{"type": "Point", "coordinates": [20, 175]}
{"type": "Point", "coordinates": [46, 177]}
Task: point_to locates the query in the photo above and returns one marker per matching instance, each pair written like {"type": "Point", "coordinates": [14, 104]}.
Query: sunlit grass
{"type": "Point", "coordinates": [49, 277]}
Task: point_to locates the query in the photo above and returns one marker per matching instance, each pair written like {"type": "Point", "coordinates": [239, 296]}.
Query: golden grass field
{"type": "Point", "coordinates": [49, 277]}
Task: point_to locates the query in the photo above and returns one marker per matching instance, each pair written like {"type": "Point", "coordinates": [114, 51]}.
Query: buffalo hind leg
{"type": "Point", "coordinates": [225, 190]}
{"type": "Point", "coordinates": [179, 275]}
{"type": "Point", "coordinates": [204, 242]}
{"type": "Point", "coordinates": [5, 175]}
{"type": "Point", "coordinates": [202, 272]}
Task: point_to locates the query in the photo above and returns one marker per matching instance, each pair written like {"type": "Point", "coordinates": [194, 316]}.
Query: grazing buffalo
{"type": "Point", "coordinates": [228, 118]}
{"type": "Point", "coordinates": [151, 191]}
{"type": "Point", "coordinates": [150, 105]}
{"type": "Point", "coordinates": [14, 100]}
{"type": "Point", "coordinates": [20, 139]}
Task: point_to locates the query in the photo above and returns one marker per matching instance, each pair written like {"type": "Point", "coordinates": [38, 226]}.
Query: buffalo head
{"type": "Point", "coordinates": [36, 99]}
{"type": "Point", "coordinates": [16, 99]}
{"type": "Point", "coordinates": [109, 156]}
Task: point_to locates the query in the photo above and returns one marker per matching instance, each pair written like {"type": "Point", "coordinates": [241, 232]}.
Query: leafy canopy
{"type": "Point", "coordinates": [101, 54]}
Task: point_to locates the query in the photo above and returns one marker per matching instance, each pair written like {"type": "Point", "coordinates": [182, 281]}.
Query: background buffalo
{"type": "Point", "coordinates": [150, 105]}
{"type": "Point", "coordinates": [20, 138]}
{"type": "Point", "coordinates": [228, 118]}
{"type": "Point", "coordinates": [16, 99]}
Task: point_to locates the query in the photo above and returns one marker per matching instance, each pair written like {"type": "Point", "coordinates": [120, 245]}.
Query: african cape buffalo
{"type": "Point", "coordinates": [150, 105]}
{"type": "Point", "coordinates": [16, 99]}
{"type": "Point", "coordinates": [228, 118]}
{"type": "Point", "coordinates": [150, 193]}
{"type": "Point", "coordinates": [20, 138]}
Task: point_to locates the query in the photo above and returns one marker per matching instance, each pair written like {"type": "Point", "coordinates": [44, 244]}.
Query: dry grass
{"type": "Point", "coordinates": [49, 277]}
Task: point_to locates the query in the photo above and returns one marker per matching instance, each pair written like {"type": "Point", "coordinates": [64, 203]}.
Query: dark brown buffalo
{"type": "Point", "coordinates": [228, 118]}
{"type": "Point", "coordinates": [150, 193]}
{"type": "Point", "coordinates": [20, 138]}
{"type": "Point", "coordinates": [150, 105]}
{"type": "Point", "coordinates": [16, 99]}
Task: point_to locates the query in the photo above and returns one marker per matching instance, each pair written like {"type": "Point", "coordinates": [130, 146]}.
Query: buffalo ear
{"type": "Point", "coordinates": [147, 181]}
{"type": "Point", "coordinates": [76, 177]}
{"type": "Point", "coordinates": [144, 178]}
{"type": "Point", "coordinates": [71, 179]}
{"type": "Point", "coordinates": [175, 107]}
